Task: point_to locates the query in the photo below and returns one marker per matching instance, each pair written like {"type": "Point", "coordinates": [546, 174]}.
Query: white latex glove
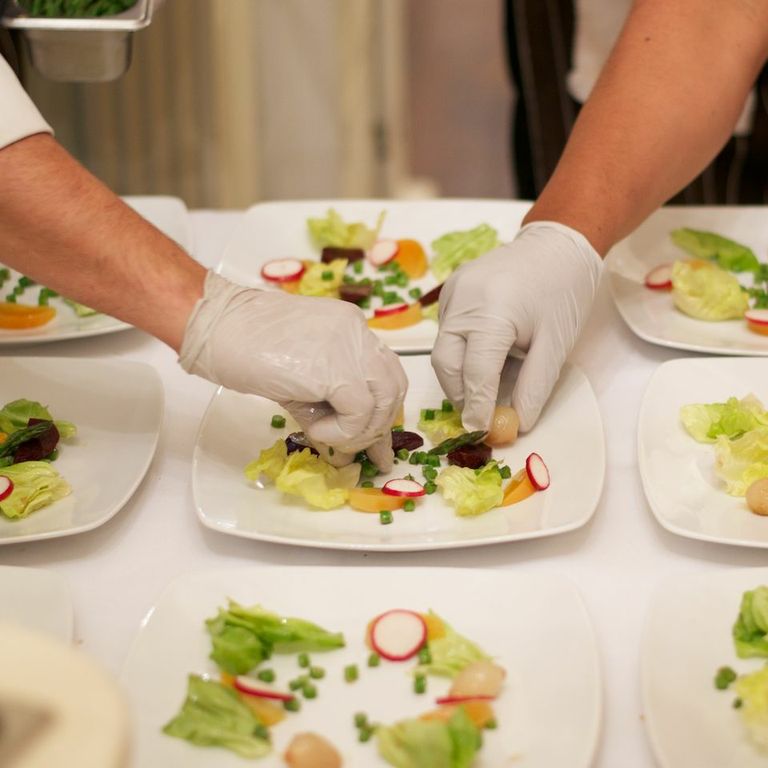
{"type": "Point", "coordinates": [315, 357]}
{"type": "Point", "coordinates": [531, 294]}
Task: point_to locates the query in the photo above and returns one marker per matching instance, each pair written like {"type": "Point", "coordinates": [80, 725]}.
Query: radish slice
{"type": "Point", "coordinates": [659, 278]}
{"type": "Point", "coordinates": [398, 635]}
{"type": "Point", "coordinates": [248, 685]}
{"type": "Point", "coordinates": [389, 309]}
{"type": "Point", "coordinates": [757, 316]}
{"type": "Point", "coordinates": [403, 487]}
{"type": "Point", "coordinates": [383, 252]}
{"type": "Point", "coordinates": [462, 699]}
{"type": "Point", "coordinates": [283, 270]}
{"type": "Point", "coordinates": [537, 471]}
{"type": "Point", "coordinates": [6, 487]}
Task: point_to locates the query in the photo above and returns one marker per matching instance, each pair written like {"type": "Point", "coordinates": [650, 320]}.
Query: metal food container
{"type": "Point", "coordinates": [79, 50]}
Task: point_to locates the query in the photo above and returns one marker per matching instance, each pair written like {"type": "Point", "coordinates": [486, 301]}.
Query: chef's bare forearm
{"type": "Point", "coordinates": [665, 103]}
{"type": "Point", "coordinates": [62, 227]}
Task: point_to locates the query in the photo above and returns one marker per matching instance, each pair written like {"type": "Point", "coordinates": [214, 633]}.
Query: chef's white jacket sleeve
{"type": "Point", "coordinates": [19, 117]}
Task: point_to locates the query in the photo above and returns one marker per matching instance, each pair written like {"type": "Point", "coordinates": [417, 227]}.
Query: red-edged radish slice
{"type": "Point", "coordinates": [537, 472]}
{"type": "Point", "coordinates": [757, 316]}
{"type": "Point", "coordinates": [398, 635]}
{"type": "Point", "coordinates": [462, 699]}
{"type": "Point", "coordinates": [389, 309]}
{"type": "Point", "coordinates": [659, 278]}
{"type": "Point", "coordinates": [6, 487]}
{"type": "Point", "coordinates": [283, 270]}
{"type": "Point", "coordinates": [248, 685]}
{"type": "Point", "coordinates": [382, 252]}
{"type": "Point", "coordinates": [403, 487]}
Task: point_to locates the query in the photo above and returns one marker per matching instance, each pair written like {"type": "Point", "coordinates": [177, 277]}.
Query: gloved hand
{"type": "Point", "coordinates": [531, 294]}
{"type": "Point", "coordinates": [315, 357]}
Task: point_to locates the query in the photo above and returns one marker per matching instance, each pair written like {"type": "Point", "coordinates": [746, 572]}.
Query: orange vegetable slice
{"type": "Point", "coordinates": [519, 488]}
{"type": "Point", "coordinates": [761, 328]}
{"type": "Point", "coordinates": [267, 712]}
{"type": "Point", "coordinates": [478, 711]}
{"type": "Point", "coordinates": [435, 626]}
{"type": "Point", "coordinates": [374, 500]}
{"type": "Point", "coordinates": [411, 258]}
{"type": "Point", "coordinates": [394, 322]}
{"type": "Point", "coordinates": [17, 316]}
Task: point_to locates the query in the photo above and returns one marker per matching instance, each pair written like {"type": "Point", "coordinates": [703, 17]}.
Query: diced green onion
{"type": "Point", "coordinates": [425, 657]}
{"type": "Point", "coordinates": [303, 660]}
{"type": "Point", "coordinates": [429, 488]}
{"type": "Point", "coordinates": [403, 454]}
{"type": "Point", "coordinates": [385, 517]}
{"type": "Point", "coordinates": [327, 274]}
{"type": "Point", "coordinates": [428, 414]}
{"type": "Point", "coordinates": [309, 691]}
{"type": "Point", "coordinates": [447, 406]}
{"type": "Point", "coordinates": [724, 677]}
{"type": "Point", "coordinates": [366, 484]}
{"type": "Point", "coordinates": [316, 673]}
{"type": "Point", "coordinates": [415, 293]}
{"type": "Point", "coordinates": [505, 472]}
{"type": "Point", "coordinates": [364, 734]}
{"type": "Point", "coordinates": [429, 472]}
{"type": "Point", "coordinates": [420, 684]}
{"type": "Point", "coordinates": [737, 703]}
{"type": "Point", "coordinates": [364, 303]}
{"type": "Point", "coordinates": [351, 673]}
{"type": "Point", "coordinates": [357, 267]}
{"type": "Point", "coordinates": [11, 298]}
{"type": "Point", "coordinates": [278, 421]}
{"type": "Point", "coordinates": [374, 659]}
{"type": "Point", "coordinates": [369, 469]}
{"type": "Point", "coordinates": [491, 725]}
{"type": "Point", "coordinates": [409, 505]}
{"type": "Point", "coordinates": [266, 675]}
{"type": "Point", "coordinates": [361, 719]}
{"type": "Point", "coordinates": [297, 683]}
{"type": "Point", "coordinates": [292, 705]}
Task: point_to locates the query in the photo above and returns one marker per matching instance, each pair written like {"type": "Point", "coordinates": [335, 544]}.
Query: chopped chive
{"type": "Point", "coordinates": [366, 484]}
{"type": "Point", "coordinates": [724, 677]}
{"type": "Point", "coordinates": [425, 657]}
{"type": "Point", "coordinates": [415, 293]}
{"type": "Point", "coordinates": [428, 414]}
{"type": "Point", "coordinates": [374, 660]}
{"type": "Point", "coordinates": [737, 703]}
{"type": "Point", "coordinates": [369, 469]}
{"type": "Point", "coordinates": [409, 505]}
{"type": "Point", "coordinates": [364, 303]}
{"type": "Point", "coordinates": [351, 673]}
{"type": "Point", "coordinates": [309, 691]}
{"type": "Point", "coordinates": [390, 280]}
{"type": "Point", "coordinates": [327, 274]}
{"type": "Point", "coordinates": [429, 472]}
{"type": "Point", "coordinates": [420, 684]}
{"type": "Point", "coordinates": [316, 673]}
{"type": "Point", "coordinates": [11, 298]}
{"type": "Point", "coordinates": [403, 454]}
{"type": "Point", "coordinates": [364, 734]}
{"type": "Point", "coordinates": [491, 725]}
{"type": "Point", "coordinates": [430, 487]}
{"type": "Point", "coordinates": [266, 675]}
{"type": "Point", "coordinates": [431, 460]}
{"type": "Point", "coordinates": [447, 406]}
{"type": "Point", "coordinates": [303, 660]}
{"type": "Point", "coordinates": [278, 421]}
{"type": "Point", "coordinates": [25, 282]}
{"type": "Point", "coordinates": [398, 428]}
{"type": "Point", "coordinates": [414, 459]}
{"type": "Point", "coordinates": [385, 517]}
{"type": "Point", "coordinates": [292, 705]}
{"type": "Point", "coordinates": [357, 267]}
{"type": "Point", "coordinates": [347, 279]}
{"type": "Point", "coordinates": [297, 683]}
{"type": "Point", "coordinates": [361, 719]}
{"type": "Point", "coordinates": [505, 472]}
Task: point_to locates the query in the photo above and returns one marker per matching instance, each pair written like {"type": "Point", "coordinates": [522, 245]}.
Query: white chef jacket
{"type": "Point", "coordinates": [19, 117]}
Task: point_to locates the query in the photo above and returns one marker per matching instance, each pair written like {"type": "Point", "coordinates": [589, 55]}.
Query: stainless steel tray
{"type": "Point", "coordinates": [81, 50]}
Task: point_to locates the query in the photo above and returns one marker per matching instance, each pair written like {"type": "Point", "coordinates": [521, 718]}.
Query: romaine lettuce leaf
{"type": "Point", "coordinates": [430, 743]}
{"type": "Point", "coordinates": [706, 422]}
{"type": "Point", "coordinates": [739, 462]}
{"type": "Point", "coordinates": [334, 231]}
{"type": "Point", "coordinates": [727, 253]}
{"type": "Point", "coordinates": [450, 652]}
{"type": "Point", "coordinates": [750, 631]}
{"type": "Point", "coordinates": [707, 292]}
{"type": "Point", "coordinates": [244, 637]}
{"type": "Point", "coordinates": [753, 691]}
{"type": "Point", "coordinates": [213, 716]}
{"type": "Point", "coordinates": [313, 284]}
{"type": "Point", "coordinates": [36, 484]}
{"type": "Point", "coordinates": [455, 248]}
{"type": "Point", "coordinates": [471, 491]}
{"type": "Point", "coordinates": [442, 426]}
{"type": "Point", "coordinates": [16, 414]}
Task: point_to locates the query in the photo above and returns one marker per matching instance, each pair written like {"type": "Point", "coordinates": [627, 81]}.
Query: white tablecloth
{"type": "Point", "coordinates": [116, 572]}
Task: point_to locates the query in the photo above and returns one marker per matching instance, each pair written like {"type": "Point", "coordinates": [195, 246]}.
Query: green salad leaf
{"type": "Point", "coordinates": [430, 743]}
{"type": "Point", "coordinates": [456, 248]}
{"type": "Point", "coordinates": [270, 462]}
{"type": "Point", "coordinates": [752, 689]}
{"type": "Point", "coordinates": [323, 279]}
{"type": "Point", "coordinates": [728, 254]}
{"type": "Point", "coordinates": [450, 652]}
{"type": "Point", "coordinates": [16, 414]}
{"type": "Point", "coordinates": [431, 311]}
{"type": "Point", "coordinates": [706, 422]}
{"type": "Point", "coordinates": [75, 8]}
{"type": "Point", "coordinates": [750, 631]}
{"type": "Point", "coordinates": [332, 230]}
{"type": "Point", "coordinates": [439, 425]}
{"type": "Point", "coordinates": [212, 715]}
{"type": "Point", "coordinates": [36, 484]}
{"type": "Point", "coordinates": [708, 292]}
{"type": "Point", "coordinates": [739, 462]}
{"type": "Point", "coordinates": [244, 637]}
{"type": "Point", "coordinates": [471, 491]}
{"type": "Point", "coordinates": [80, 309]}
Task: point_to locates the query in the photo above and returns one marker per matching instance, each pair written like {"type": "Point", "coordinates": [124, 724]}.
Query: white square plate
{"type": "Point", "coordinates": [276, 230]}
{"type": "Point", "coordinates": [236, 428]}
{"type": "Point", "coordinates": [168, 214]}
{"type": "Point", "coordinates": [549, 712]}
{"type": "Point", "coordinates": [687, 639]}
{"type": "Point", "coordinates": [678, 473]}
{"type": "Point", "coordinates": [651, 314]}
{"type": "Point", "coordinates": [117, 406]}
{"type": "Point", "coordinates": [36, 599]}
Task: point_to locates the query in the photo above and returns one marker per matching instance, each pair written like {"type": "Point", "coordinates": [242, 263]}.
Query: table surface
{"type": "Point", "coordinates": [117, 571]}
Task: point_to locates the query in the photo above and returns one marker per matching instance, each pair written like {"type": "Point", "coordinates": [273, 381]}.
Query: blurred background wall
{"type": "Point", "coordinates": [228, 102]}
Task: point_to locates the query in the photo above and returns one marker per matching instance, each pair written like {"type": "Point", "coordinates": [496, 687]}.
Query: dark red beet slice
{"type": "Point", "coordinates": [355, 292]}
{"type": "Point", "coordinates": [430, 297]}
{"type": "Point", "coordinates": [297, 441]}
{"type": "Point", "coordinates": [38, 447]}
{"type": "Point", "coordinates": [471, 456]}
{"type": "Point", "coordinates": [329, 253]}
{"type": "Point", "coordinates": [408, 440]}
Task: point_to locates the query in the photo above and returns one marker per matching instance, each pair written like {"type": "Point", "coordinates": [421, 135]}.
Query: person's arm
{"type": "Point", "coordinates": [665, 103]}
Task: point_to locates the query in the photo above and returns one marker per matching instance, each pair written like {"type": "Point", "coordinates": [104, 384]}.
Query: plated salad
{"type": "Point", "coordinates": [459, 465]}
{"type": "Point", "coordinates": [723, 280]}
{"type": "Point", "coordinates": [238, 706]}
{"type": "Point", "coordinates": [29, 444]}
{"type": "Point", "coordinates": [388, 278]}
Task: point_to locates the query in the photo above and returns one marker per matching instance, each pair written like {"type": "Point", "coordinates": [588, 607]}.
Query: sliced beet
{"type": "Point", "coordinates": [355, 292]}
{"type": "Point", "coordinates": [430, 297]}
{"type": "Point", "coordinates": [37, 448]}
{"type": "Point", "coordinates": [297, 441]}
{"type": "Point", "coordinates": [330, 252]}
{"type": "Point", "coordinates": [471, 456]}
{"type": "Point", "coordinates": [408, 440]}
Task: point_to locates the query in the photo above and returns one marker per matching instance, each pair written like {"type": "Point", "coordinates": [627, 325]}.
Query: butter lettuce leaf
{"type": "Point", "coordinates": [270, 462]}
{"type": "Point", "coordinates": [212, 715]}
{"type": "Point", "coordinates": [752, 689]}
{"type": "Point", "coordinates": [332, 230]}
{"type": "Point", "coordinates": [456, 248]}
{"type": "Point", "coordinates": [739, 462]}
{"type": "Point", "coordinates": [706, 422]}
{"type": "Point", "coordinates": [430, 743]}
{"type": "Point", "coordinates": [443, 425]}
{"type": "Point", "coordinates": [728, 254]}
{"type": "Point", "coordinates": [312, 282]}
{"type": "Point", "coordinates": [707, 292]}
{"type": "Point", "coordinates": [36, 484]}
{"type": "Point", "coordinates": [449, 651]}
{"type": "Point", "coordinates": [471, 491]}
{"type": "Point", "coordinates": [16, 415]}
{"type": "Point", "coordinates": [750, 631]}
